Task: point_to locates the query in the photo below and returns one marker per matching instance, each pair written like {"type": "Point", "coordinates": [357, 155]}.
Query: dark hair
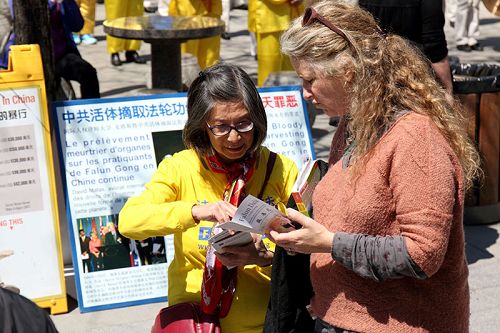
{"type": "Point", "coordinates": [221, 83]}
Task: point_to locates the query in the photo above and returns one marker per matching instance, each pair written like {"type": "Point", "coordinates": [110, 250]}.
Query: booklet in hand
{"type": "Point", "coordinates": [302, 191]}
{"type": "Point", "coordinates": [252, 216]}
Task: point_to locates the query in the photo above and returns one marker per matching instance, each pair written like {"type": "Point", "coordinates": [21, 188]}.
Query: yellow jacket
{"type": "Point", "coordinates": [266, 16]}
{"type": "Point", "coordinates": [165, 208]}
{"type": "Point", "coordinates": [212, 8]}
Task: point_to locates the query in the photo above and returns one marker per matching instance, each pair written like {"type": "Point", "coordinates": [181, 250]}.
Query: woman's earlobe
{"type": "Point", "coordinates": [349, 75]}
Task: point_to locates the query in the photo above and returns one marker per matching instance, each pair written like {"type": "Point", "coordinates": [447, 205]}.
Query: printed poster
{"type": "Point", "coordinates": [28, 226]}
{"type": "Point", "coordinates": [109, 149]}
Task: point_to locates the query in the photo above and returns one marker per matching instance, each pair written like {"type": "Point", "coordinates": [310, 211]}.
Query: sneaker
{"type": "Point", "coordinates": [115, 59]}
{"type": "Point", "coordinates": [76, 39]}
{"type": "Point", "coordinates": [88, 40]}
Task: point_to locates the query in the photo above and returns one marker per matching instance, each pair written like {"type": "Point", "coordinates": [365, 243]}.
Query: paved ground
{"type": "Point", "coordinates": [483, 245]}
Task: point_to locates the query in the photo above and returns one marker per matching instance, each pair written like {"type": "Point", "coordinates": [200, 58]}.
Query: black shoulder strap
{"type": "Point", "coordinates": [269, 169]}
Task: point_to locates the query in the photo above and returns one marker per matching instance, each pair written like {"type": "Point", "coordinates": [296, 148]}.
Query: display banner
{"type": "Point", "coordinates": [29, 226]}
{"type": "Point", "coordinates": [109, 149]}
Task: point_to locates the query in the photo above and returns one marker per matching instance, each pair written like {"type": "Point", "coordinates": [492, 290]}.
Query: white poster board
{"type": "Point", "coordinates": [108, 152]}
{"type": "Point", "coordinates": [28, 223]}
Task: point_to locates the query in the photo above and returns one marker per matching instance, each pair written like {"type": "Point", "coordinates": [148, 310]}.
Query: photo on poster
{"type": "Point", "coordinates": [166, 144]}
{"type": "Point", "coordinates": [102, 247]}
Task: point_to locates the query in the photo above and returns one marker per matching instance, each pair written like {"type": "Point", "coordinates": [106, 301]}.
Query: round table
{"type": "Point", "coordinates": [165, 34]}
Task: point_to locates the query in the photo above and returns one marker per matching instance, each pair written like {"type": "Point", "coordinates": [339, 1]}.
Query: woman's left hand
{"type": "Point", "coordinates": [313, 237]}
{"type": "Point", "coordinates": [253, 253]}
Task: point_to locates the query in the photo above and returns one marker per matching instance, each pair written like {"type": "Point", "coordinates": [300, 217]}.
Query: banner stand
{"type": "Point", "coordinates": [29, 219]}
{"type": "Point", "coordinates": [109, 148]}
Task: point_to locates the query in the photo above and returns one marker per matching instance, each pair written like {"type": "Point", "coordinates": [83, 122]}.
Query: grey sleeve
{"type": "Point", "coordinates": [375, 257]}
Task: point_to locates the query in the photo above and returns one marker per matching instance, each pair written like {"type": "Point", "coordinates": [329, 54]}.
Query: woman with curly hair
{"type": "Point", "coordinates": [387, 239]}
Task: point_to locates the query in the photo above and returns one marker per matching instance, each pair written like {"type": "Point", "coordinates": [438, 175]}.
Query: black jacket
{"type": "Point", "coordinates": [291, 289]}
{"type": "Point", "coordinates": [420, 21]}
{"type": "Point", "coordinates": [19, 314]}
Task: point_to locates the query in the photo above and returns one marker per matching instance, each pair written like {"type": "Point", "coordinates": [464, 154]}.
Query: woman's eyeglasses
{"type": "Point", "coordinates": [223, 129]}
{"type": "Point", "coordinates": [311, 15]}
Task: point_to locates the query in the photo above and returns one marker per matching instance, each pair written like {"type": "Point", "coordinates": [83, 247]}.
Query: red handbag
{"type": "Point", "coordinates": [185, 318]}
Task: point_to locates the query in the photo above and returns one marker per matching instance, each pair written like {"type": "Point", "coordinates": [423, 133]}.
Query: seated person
{"type": "Point", "coordinates": [6, 26]}
{"type": "Point", "coordinates": [65, 18]}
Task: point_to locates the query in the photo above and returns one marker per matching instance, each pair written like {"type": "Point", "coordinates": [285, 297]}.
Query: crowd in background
{"type": "Point", "coordinates": [419, 21]}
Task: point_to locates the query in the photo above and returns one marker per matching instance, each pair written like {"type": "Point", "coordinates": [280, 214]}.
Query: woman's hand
{"type": "Point", "coordinates": [311, 238]}
{"type": "Point", "coordinates": [220, 211]}
{"type": "Point", "coordinates": [253, 253]}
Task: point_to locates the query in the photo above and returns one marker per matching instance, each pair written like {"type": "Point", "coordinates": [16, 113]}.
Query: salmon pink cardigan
{"type": "Point", "coordinates": [412, 186]}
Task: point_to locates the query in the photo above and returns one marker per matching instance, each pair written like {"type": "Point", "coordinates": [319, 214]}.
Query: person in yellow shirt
{"type": "Point", "coordinates": [86, 35]}
{"type": "Point", "coordinates": [268, 19]}
{"type": "Point", "coordinates": [122, 8]}
{"type": "Point", "coordinates": [223, 134]}
{"type": "Point", "coordinates": [206, 50]}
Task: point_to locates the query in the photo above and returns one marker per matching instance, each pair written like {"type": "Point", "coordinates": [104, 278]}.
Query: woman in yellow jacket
{"type": "Point", "coordinates": [225, 129]}
{"type": "Point", "coordinates": [122, 8]}
{"type": "Point", "coordinates": [268, 19]}
{"type": "Point", "coordinates": [206, 50]}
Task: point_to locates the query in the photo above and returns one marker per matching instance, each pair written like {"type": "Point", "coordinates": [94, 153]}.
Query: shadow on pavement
{"type": "Point", "coordinates": [478, 239]}
{"type": "Point", "coordinates": [72, 303]}
{"type": "Point", "coordinates": [116, 91]}
{"type": "Point", "coordinates": [318, 133]}
{"type": "Point", "coordinates": [491, 41]}
{"type": "Point", "coordinates": [239, 33]}
{"type": "Point", "coordinates": [486, 21]}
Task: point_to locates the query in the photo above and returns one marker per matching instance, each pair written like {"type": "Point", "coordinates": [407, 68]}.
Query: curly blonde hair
{"type": "Point", "coordinates": [389, 76]}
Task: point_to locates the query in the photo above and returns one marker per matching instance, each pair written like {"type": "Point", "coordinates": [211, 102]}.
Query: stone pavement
{"type": "Point", "coordinates": [483, 244]}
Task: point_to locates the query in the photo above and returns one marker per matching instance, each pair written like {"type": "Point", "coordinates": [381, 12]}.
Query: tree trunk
{"type": "Point", "coordinates": [32, 26]}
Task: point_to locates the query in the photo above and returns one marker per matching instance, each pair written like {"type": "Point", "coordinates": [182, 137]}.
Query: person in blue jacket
{"type": "Point", "coordinates": [65, 18]}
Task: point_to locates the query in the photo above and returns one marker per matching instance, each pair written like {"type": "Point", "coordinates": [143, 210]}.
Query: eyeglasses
{"type": "Point", "coordinates": [223, 129]}
{"type": "Point", "coordinates": [311, 15]}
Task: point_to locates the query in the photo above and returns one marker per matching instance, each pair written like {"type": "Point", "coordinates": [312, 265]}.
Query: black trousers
{"type": "Point", "coordinates": [72, 67]}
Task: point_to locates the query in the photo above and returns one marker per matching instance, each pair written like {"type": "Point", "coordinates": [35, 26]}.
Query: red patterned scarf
{"type": "Point", "coordinates": [219, 282]}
